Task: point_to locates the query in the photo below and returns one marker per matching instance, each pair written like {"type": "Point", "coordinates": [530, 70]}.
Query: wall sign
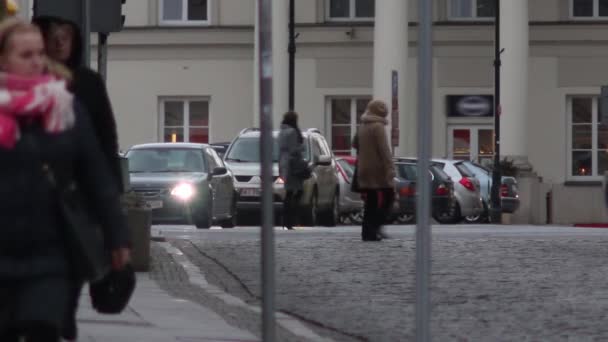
{"type": "Point", "coordinates": [470, 105]}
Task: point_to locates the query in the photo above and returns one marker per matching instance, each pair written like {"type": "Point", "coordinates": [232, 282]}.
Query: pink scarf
{"type": "Point", "coordinates": [41, 98]}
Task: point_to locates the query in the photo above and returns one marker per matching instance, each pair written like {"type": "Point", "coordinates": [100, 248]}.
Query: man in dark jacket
{"type": "Point", "coordinates": [63, 42]}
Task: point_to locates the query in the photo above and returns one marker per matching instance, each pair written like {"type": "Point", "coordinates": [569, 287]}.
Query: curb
{"type": "Point", "coordinates": [197, 278]}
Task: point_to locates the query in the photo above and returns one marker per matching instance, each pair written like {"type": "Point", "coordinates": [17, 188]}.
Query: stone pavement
{"type": "Point", "coordinates": [154, 316]}
{"type": "Point", "coordinates": [489, 283]}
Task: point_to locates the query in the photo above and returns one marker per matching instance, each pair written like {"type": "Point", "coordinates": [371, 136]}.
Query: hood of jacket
{"type": "Point", "coordinates": [44, 23]}
{"type": "Point", "coordinates": [369, 118]}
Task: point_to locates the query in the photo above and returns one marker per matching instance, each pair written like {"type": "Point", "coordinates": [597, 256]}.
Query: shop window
{"type": "Point", "coordinates": [185, 120]}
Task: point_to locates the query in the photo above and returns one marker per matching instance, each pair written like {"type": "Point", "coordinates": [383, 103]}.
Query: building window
{"type": "Point", "coordinates": [587, 139]}
{"type": "Point", "coordinates": [472, 9]}
{"type": "Point", "coordinates": [589, 9]}
{"type": "Point", "coordinates": [344, 118]}
{"type": "Point", "coordinates": [184, 12]}
{"type": "Point", "coordinates": [345, 10]}
{"type": "Point", "coordinates": [184, 120]}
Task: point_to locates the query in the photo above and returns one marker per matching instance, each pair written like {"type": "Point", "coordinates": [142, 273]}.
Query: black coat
{"type": "Point", "coordinates": [90, 90]}
{"type": "Point", "coordinates": [31, 242]}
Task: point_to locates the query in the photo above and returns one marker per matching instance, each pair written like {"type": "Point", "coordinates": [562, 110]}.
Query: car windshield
{"type": "Point", "coordinates": [166, 160]}
{"type": "Point", "coordinates": [407, 171]}
{"type": "Point", "coordinates": [247, 150]}
{"type": "Point", "coordinates": [464, 171]}
{"type": "Point", "coordinates": [347, 168]}
{"type": "Point", "coordinates": [438, 170]}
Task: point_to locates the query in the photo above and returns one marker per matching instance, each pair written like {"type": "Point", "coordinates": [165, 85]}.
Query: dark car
{"type": "Point", "coordinates": [183, 183]}
{"type": "Point", "coordinates": [442, 191]}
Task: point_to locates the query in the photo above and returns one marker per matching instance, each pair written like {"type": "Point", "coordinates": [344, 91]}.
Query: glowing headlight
{"type": "Point", "coordinates": [279, 181]}
{"type": "Point", "coordinates": [183, 191]}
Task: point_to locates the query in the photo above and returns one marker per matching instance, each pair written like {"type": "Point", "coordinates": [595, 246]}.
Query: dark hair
{"type": "Point", "coordinates": [291, 119]}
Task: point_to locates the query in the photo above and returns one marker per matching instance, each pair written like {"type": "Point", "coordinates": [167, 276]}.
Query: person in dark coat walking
{"type": "Point", "coordinates": [63, 41]}
{"type": "Point", "coordinates": [375, 170]}
{"type": "Point", "coordinates": [292, 167]}
{"type": "Point", "coordinates": [43, 128]}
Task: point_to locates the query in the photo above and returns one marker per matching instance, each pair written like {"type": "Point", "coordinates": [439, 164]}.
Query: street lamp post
{"type": "Point", "coordinates": [496, 174]}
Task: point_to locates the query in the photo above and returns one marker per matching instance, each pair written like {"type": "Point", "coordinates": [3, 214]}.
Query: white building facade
{"type": "Point", "coordinates": [183, 70]}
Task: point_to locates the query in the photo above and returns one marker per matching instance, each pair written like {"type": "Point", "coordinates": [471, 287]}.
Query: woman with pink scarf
{"type": "Point", "coordinates": [42, 127]}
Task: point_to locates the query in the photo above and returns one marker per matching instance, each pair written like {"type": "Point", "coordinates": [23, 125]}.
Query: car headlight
{"type": "Point", "coordinates": [183, 191]}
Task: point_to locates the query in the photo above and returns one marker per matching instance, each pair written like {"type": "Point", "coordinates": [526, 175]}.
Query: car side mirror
{"type": "Point", "coordinates": [324, 160]}
{"type": "Point", "coordinates": [218, 171]}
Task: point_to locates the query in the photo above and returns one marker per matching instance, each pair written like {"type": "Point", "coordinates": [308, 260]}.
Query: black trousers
{"type": "Point", "coordinates": [378, 204]}
{"type": "Point", "coordinates": [291, 205]}
{"type": "Point", "coordinates": [69, 330]}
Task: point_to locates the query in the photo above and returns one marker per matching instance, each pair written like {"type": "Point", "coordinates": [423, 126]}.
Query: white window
{"type": "Point", "coordinates": [471, 9]}
{"type": "Point", "coordinates": [184, 12]}
{"type": "Point", "coordinates": [587, 139]}
{"type": "Point", "coordinates": [344, 116]}
{"type": "Point", "coordinates": [345, 10]}
{"type": "Point", "coordinates": [474, 143]}
{"type": "Point", "coordinates": [588, 9]}
{"type": "Point", "coordinates": [184, 120]}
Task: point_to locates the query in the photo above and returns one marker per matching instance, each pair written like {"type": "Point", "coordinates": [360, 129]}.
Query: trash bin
{"type": "Point", "coordinates": [139, 221]}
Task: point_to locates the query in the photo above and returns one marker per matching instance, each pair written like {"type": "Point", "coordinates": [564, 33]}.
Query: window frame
{"type": "Point", "coordinates": [353, 119]}
{"type": "Point", "coordinates": [595, 16]}
{"type": "Point", "coordinates": [473, 17]}
{"type": "Point", "coordinates": [595, 176]}
{"type": "Point", "coordinates": [352, 15]}
{"type": "Point", "coordinates": [184, 22]}
{"type": "Point", "coordinates": [186, 125]}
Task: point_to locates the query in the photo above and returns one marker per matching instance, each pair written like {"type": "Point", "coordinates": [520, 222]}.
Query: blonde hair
{"type": "Point", "coordinates": [11, 26]}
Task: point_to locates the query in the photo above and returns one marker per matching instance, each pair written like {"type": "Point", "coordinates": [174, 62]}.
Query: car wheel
{"type": "Point", "coordinates": [451, 217]}
{"type": "Point", "coordinates": [356, 218]}
{"type": "Point", "coordinates": [310, 217]}
{"type": "Point", "coordinates": [481, 218]}
{"type": "Point", "coordinates": [232, 221]}
{"type": "Point", "coordinates": [406, 218]}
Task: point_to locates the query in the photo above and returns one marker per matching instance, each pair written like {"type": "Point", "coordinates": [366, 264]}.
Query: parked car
{"type": "Point", "coordinates": [183, 183]}
{"type": "Point", "coordinates": [320, 199]}
{"type": "Point", "coordinates": [220, 148]}
{"type": "Point", "coordinates": [442, 191]}
{"type": "Point", "coordinates": [351, 204]}
{"type": "Point", "coordinates": [466, 190]}
{"type": "Point", "coordinates": [509, 196]}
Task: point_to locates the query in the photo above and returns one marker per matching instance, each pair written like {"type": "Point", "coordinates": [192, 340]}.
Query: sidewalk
{"type": "Point", "coordinates": [155, 316]}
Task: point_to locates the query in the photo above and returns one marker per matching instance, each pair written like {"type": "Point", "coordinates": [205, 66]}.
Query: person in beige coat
{"type": "Point", "coordinates": [375, 169]}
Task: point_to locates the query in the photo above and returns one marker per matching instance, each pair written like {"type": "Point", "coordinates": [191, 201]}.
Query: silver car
{"type": "Point", "coordinates": [466, 190]}
{"type": "Point", "coordinates": [320, 201]}
{"type": "Point", "coordinates": [351, 204]}
{"type": "Point", "coordinates": [183, 183]}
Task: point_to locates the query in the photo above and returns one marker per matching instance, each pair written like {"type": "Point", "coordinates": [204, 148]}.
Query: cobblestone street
{"type": "Point", "coordinates": [489, 284]}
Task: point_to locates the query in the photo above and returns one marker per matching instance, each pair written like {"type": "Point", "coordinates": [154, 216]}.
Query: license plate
{"type": "Point", "coordinates": [154, 204]}
{"type": "Point", "coordinates": [251, 192]}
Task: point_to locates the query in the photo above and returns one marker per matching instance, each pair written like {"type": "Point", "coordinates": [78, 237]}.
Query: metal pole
{"type": "Point", "coordinates": [496, 174]}
{"type": "Point", "coordinates": [292, 54]}
{"type": "Point", "coordinates": [423, 214]}
{"type": "Point", "coordinates": [102, 55]}
{"type": "Point", "coordinates": [266, 144]}
{"type": "Point", "coordinates": [86, 32]}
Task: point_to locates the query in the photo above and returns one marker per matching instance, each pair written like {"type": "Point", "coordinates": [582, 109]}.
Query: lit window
{"type": "Point", "coordinates": [185, 121]}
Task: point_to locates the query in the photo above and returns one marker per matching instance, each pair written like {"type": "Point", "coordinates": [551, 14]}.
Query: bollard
{"type": "Point", "coordinates": [139, 221]}
{"type": "Point", "coordinates": [548, 200]}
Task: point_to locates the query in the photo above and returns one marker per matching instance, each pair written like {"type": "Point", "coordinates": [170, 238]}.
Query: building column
{"type": "Point", "coordinates": [391, 54]}
{"type": "Point", "coordinates": [514, 39]}
{"type": "Point", "coordinates": [280, 60]}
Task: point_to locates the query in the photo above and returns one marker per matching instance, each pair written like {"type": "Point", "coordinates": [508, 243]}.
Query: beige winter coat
{"type": "Point", "coordinates": [375, 162]}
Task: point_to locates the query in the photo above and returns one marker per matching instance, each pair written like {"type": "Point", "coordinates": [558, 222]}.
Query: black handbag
{"type": "Point", "coordinates": [300, 168]}
{"type": "Point", "coordinates": [354, 184]}
{"type": "Point", "coordinates": [111, 294]}
{"type": "Point", "coordinates": [83, 236]}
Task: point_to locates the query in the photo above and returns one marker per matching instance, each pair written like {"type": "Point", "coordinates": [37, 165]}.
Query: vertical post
{"type": "Point", "coordinates": [102, 55]}
{"type": "Point", "coordinates": [266, 144]}
{"type": "Point", "coordinates": [292, 54]}
{"type": "Point", "coordinates": [496, 175]}
{"type": "Point", "coordinates": [423, 229]}
{"type": "Point", "coordinates": [86, 32]}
